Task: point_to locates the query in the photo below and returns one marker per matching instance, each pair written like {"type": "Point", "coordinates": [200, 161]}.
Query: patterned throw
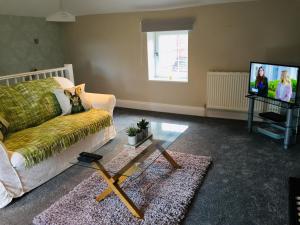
{"type": "Point", "coordinates": [29, 104]}
{"type": "Point", "coordinates": [3, 128]}
{"type": "Point", "coordinates": [43, 103]}
{"type": "Point", "coordinates": [12, 108]}
{"type": "Point", "coordinates": [41, 142]}
{"type": "Point", "coordinates": [162, 193]}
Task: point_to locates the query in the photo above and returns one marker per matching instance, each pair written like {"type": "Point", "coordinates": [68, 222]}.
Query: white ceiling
{"type": "Point", "coordinates": [42, 8]}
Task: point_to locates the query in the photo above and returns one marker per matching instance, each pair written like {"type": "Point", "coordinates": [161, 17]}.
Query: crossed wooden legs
{"type": "Point", "coordinates": [114, 183]}
{"type": "Point", "coordinates": [114, 186]}
{"type": "Point", "coordinates": [168, 157]}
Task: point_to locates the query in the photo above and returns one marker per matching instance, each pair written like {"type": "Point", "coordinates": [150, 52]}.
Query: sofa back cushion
{"type": "Point", "coordinates": [64, 82]}
{"type": "Point", "coordinates": [13, 108]}
{"type": "Point", "coordinates": [29, 103]}
{"type": "Point", "coordinates": [43, 103]}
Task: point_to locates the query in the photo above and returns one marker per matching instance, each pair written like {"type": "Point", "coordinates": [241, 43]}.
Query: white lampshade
{"type": "Point", "coordinates": [61, 16]}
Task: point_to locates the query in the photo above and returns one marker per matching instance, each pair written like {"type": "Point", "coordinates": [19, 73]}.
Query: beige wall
{"type": "Point", "coordinates": [109, 51]}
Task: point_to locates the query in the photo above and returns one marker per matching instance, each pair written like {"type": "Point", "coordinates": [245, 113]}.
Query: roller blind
{"type": "Point", "coordinates": [153, 25]}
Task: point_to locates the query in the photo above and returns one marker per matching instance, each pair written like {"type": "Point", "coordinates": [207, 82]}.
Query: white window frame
{"type": "Point", "coordinates": [153, 57]}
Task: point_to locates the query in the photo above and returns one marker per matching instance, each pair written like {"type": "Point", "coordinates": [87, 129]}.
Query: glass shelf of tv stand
{"type": "Point", "coordinates": [273, 129]}
{"type": "Point", "coordinates": [280, 125]}
{"type": "Point", "coordinates": [272, 105]}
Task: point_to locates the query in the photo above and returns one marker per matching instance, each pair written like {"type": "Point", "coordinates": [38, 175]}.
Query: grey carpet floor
{"type": "Point", "coordinates": [247, 183]}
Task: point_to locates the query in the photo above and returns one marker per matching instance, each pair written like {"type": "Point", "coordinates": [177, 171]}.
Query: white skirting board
{"type": "Point", "coordinates": [182, 109]}
{"type": "Point", "coordinates": [161, 107]}
{"type": "Point", "coordinates": [227, 114]}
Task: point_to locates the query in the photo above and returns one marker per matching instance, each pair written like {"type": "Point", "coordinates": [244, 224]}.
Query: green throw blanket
{"type": "Point", "coordinates": [29, 103]}
{"type": "Point", "coordinates": [39, 143]}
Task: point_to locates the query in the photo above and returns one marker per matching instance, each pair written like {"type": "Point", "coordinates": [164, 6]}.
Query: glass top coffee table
{"type": "Point", "coordinates": [130, 161]}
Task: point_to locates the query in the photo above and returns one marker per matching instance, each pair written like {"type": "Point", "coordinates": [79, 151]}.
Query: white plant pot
{"type": "Point", "coordinates": [132, 140]}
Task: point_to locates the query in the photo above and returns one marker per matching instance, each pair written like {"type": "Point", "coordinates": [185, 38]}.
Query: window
{"type": "Point", "coordinates": [168, 55]}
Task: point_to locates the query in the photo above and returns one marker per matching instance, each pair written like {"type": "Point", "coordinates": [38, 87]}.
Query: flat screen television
{"type": "Point", "coordinates": [279, 82]}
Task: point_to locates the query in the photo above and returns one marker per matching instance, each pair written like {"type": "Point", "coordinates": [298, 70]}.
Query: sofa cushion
{"type": "Point", "coordinates": [64, 82]}
{"type": "Point", "coordinates": [72, 100]}
{"type": "Point", "coordinates": [64, 101]}
{"type": "Point", "coordinates": [78, 91]}
{"type": "Point", "coordinates": [41, 142]}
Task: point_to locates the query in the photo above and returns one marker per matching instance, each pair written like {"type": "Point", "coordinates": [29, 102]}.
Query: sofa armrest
{"type": "Point", "coordinates": [10, 183]}
{"type": "Point", "coordinates": [102, 101]}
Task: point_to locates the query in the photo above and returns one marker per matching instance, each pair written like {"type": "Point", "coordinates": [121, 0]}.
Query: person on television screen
{"type": "Point", "coordinates": [261, 82]}
{"type": "Point", "coordinates": [284, 89]}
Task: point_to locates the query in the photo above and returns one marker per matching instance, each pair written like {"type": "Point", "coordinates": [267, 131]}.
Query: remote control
{"type": "Point", "coordinates": [91, 155]}
{"type": "Point", "coordinates": [85, 159]}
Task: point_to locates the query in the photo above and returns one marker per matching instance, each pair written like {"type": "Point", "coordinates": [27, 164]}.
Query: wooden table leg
{"type": "Point", "coordinates": [108, 190]}
{"type": "Point", "coordinates": [115, 182]}
{"type": "Point", "coordinates": [167, 156]}
{"type": "Point", "coordinates": [114, 186]}
{"type": "Point", "coordinates": [120, 180]}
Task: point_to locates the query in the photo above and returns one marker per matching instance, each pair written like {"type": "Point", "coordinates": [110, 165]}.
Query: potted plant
{"type": "Point", "coordinates": [144, 126]}
{"type": "Point", "coordinates": [139, 134]}
{"type": "Point", "coordinates": [132, 135]}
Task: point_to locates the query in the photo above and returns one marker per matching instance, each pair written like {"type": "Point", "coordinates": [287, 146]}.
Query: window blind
{"type": "Point", "coordinates": [153, 25]}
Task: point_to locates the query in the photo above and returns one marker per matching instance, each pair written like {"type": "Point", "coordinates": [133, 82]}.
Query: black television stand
{"type": "Point", "coordinates": [276, 117]}
{"type": "Point", "coordinates": [281, 125]}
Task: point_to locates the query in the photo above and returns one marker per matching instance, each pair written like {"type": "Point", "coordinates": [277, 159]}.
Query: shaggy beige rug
{"type": "Point", "coordinates": [162, 193]}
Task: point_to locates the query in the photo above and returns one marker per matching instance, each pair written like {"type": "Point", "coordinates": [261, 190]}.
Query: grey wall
{"type": "Point", "coordinates": [19, 53]}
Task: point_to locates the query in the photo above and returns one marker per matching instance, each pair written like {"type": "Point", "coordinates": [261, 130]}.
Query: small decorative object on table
{"type": "Point", "coordinates": [139, 135]}
{"type": "Point", "coordinates": [132, 135]}
{"type": "Point", "coordinates": [143, 125]}
{"type": "Point", "coordinates": [87, 157]}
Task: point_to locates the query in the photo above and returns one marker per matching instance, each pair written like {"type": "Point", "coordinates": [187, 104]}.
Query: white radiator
{"type": "Point", "coordinates": [227, 91]}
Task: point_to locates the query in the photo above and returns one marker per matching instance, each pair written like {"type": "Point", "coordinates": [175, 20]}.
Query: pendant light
{"type": "Point", "coordinates": [61, 15]}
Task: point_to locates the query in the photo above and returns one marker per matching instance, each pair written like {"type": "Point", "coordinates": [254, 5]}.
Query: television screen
{"type": "Point", "coordinates": [274, 81]}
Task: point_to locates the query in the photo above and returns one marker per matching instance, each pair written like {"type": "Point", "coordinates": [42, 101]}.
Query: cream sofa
{"type": "Point", "coordinates": [17, 179]}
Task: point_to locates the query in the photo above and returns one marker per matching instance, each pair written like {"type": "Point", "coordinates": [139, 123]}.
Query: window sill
{"type": "Point", "coordinates": [170, 81]}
